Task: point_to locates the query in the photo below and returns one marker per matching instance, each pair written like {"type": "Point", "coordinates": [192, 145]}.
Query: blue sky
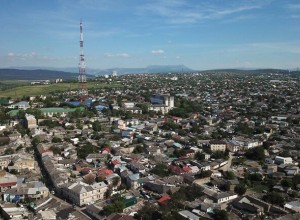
{"type": "Point", "coordinates": [201, 34]}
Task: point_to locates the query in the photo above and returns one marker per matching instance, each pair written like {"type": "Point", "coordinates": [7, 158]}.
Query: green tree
{"type": "Point", "coordinates": [117, 205]}
{"type": "Point", "coordinates": [56, 140]}
{"type": "Point", "coordinates": [9, 151]}
{"type": "Point", "coordinates": [240, 189]}
{"type": "Point", "coordinates": [161, 170]}
{"type": "Point", "coordinates": [220, 215]}
{"type": "Point", "coordinates": [256, 153]}
{"type": "Point", "coordinates": [274, 198]}
{"type": "Point", "coordinates": [286, 183]}
{"type": "Point", "coordinates": [230, 175]}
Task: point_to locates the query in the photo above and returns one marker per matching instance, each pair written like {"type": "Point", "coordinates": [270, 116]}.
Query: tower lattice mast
{"type": "Point", "coordinates": [82, 77]}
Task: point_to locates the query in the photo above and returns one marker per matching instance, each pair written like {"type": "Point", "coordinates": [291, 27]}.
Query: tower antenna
{"type": "Point", "coordinates": [83, 93]}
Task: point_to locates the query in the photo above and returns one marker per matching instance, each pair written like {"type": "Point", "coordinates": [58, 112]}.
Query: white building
{"type": "Point", "coordinates": [81, 193]}
{"type": "Point", "coordinates": [20, 105]}
{"type": "Point", "coordinates": [283, 160]}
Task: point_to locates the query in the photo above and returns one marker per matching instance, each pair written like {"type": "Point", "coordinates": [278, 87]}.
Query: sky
{"type": "Point", "coordinates": [200, 34]}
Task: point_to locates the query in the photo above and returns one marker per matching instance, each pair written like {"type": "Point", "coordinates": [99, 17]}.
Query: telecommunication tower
{"type": "Point", "coordinates": [83, 93]}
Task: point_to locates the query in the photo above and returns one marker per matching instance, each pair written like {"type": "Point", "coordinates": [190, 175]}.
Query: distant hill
{"type": "Point", "coordinates": [37, 74]}
{"type": "Point", "coordinates": [254, 71]}
{"type": "Point", "coordinates": [148, 69]}
{"type": "Point", "coordinates": [120, 70]}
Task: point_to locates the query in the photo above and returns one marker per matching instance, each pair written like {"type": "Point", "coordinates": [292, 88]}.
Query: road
{"type": "Point", "coordinates": [227, 166]}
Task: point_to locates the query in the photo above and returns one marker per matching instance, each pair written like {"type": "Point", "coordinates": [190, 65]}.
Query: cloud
{"type": "Point", "coordinates": [122, 55]}
{"type": "Point", "coordinates": [157, 52]}
{"type": "Point", "coordinates": [293, 6]}
{"type": "Point", "coordinates": [183, 12]}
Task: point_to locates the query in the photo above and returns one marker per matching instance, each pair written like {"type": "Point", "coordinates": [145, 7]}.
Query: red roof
{"type": "Point", "coordinates": [115, 162]}
{"type": "Point", "coordinates": [105, 149]}
{"type": "Point", "coordinates": [8, 184]}
{"type": "Point", "coordinates": [187, 169]}
{"type": "Point", "coordinates": [164, 199]}
{"type": "Point", "coordinates": [104, 172]}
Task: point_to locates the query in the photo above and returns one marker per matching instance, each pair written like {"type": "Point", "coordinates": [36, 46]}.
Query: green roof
{"type": "Point", "coordinates": [59, 110]}
{"type": "Point", "coordinates": [13, 112]}
{"type": "Point", "coordinates": [48, 110]}
{"type": "Point", "coordinates": [4, 101]}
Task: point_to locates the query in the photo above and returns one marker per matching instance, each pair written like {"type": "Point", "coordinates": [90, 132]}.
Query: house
{"type": "Point", "coordinates": [81, 193]}
{"type": "Point", "coordinates": [4, 161]}
{"type": "Point", "coordinates": [12, 211]}
{"type": "Point", "coordinates": [293, 206]}
{"type": "Point", "coordinates": [216, 145]}
{"type": "Point", "coordinates": [185, 214]}
{"type": "Point", "coordinates": [132, 181]}
{"type": "Point", "coordinates": [218, 197]}
{"type": "Point", "coordinates": [283, 160]}
{"type": "Point", "coordinates": [7, 181]}
{"type": "Point", "coordinates": [30, 121]}
{"type": "Point", "coordinates": [35, 190]}
{"type": "Point", "coordinates": [245, 204]}
{"type": "Point", "coordinates": [21, 164]}
{"type": "Point", "coordinates": [20, 105]}
{"type": "Point", "coordinates": [15, 136]}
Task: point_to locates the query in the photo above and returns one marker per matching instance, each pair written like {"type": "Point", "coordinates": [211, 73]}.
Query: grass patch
{"type": "Point", "coordinates": [10, 84]}
{"type": "Point", "coordinates": [258, 187]}
{"type": "Point", "coordinates": [35, 90]}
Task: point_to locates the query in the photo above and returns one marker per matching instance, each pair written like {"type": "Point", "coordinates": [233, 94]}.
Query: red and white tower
{"type": "Point", "coordinates": [82, 77]}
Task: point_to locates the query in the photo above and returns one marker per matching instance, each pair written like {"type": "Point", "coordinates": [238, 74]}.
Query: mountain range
{"type": "Point", "coordinates": [39, 73]}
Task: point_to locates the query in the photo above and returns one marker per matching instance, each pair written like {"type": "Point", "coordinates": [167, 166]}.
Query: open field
{"type": "Point", "coordinates": [10, 84]}
{"type": "Point", "coordinates": [35, 90]}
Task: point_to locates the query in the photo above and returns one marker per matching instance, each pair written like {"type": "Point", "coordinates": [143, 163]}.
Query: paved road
{"type": "Point", "coordinates": [228, 165]}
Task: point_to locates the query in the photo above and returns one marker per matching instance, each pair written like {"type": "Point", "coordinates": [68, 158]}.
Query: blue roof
{"type": "Point", "coordinates": [74, 102]}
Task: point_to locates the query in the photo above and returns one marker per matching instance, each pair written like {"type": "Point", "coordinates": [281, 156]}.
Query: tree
{"type": "Point", "coordinates": [256, 153]}
{"type": "Point", "coordinates": [9, 151]}
{"type": "Point", "coordinates": [138, 149]}
{"type": "Point", "coordinates": [117, 205]}
{"type": "Point", "coordinates": [96, 126]}
{"type": "Point", "coordinates": [286, 183]}
{"type": "Point", "coordinates": [274, 198]}
{"type": "Point", "coordinates": [56, 140]}
{"type": "Point", "coordinates": [161, 170]}
{"type": "Point", "coordinates": [240, 189]}
{"type": "Point", "coordinates": [296, 180]}
{"type": "Point", "coordinates": [220, 215]}
{"type": "Point", "coordinates": [230, 175]}
{"type": "Point", "coordinates": [149, 211]}
{"type": "Point", "coordinates": [200, 156]}
{"type": "Point", "coordinates": [55, 150]}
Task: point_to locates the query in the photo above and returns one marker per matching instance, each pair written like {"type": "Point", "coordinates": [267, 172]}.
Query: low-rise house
{"type": "Point", "coordinates": [218, 197]}
{"type": "Point", "coordinates": [20, 105]}
{"type": "Point", "coordinates": [185, 214]}
{"type": "Point", "coordinates": [217, 145]}
{"type": "Point", "coordinates": [30, 121]}
{"type": "Point", "coordinates": [5, 161]}
{"type": "Point", "coordinates": [81, 193]}
{"type": "Point", "coordinates": [12, 211]}
{"type": "Point", "coordinates": [7, 181]}
{"type": "Point", "coordinates": [15, 136]}
{"type": "Point", "coordinates": [23, 163]}
{"type": "Point", "coordinates": [132, 181]}
{"type": "Point", "coordinates": [246, 205]}
{"type": "Point", "coordinates": [35, 190]}
{"type": "Point", "coordinates": [293, 206]}
{"type": "Point", "coordinates": [283, 160]}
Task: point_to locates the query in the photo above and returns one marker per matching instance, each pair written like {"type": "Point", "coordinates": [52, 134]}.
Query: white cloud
{"type": "Point", "coordinates": [122, 55]}
{"type": "Point", "coordinates": [182, 12]}
{"type": "Point", "coordinates": [157, 52]}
